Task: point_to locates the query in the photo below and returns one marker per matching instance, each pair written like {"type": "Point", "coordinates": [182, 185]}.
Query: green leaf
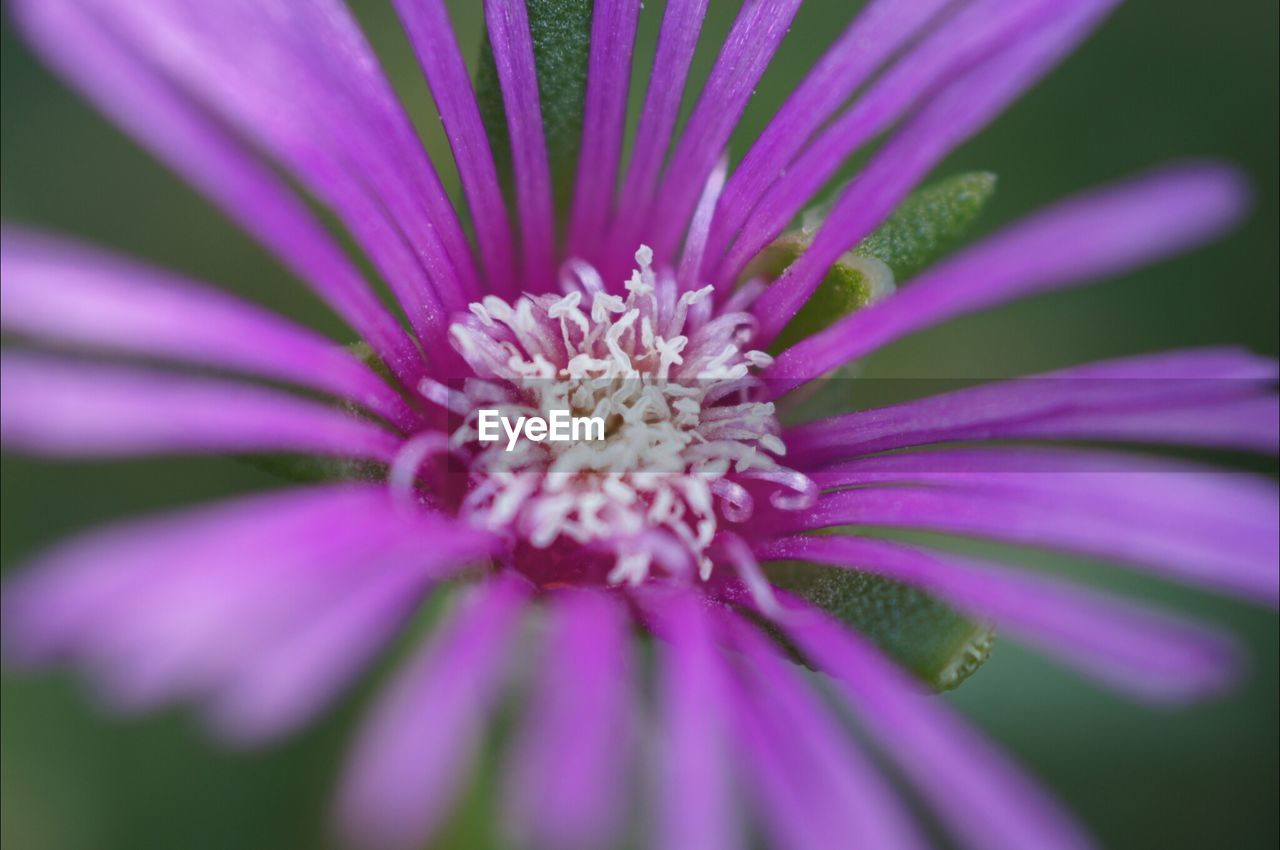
{"type": "Point", "coordinates": [561, 31]}
{"type": "Point", "coordinates": [929, 223]}
{"type": "Point", "coordinates": [924, 227]}
{"type": "Point", "coordinates": [941, 647]}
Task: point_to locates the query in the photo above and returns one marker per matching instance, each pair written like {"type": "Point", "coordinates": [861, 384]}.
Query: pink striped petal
{"type": "Point", "coordinates": [512, 44]}
{"type": "Point", "coordinates": [822, 792]}
{"type": "Point", "coordinates": [203, 601]}
{"type": "Point", "coordinates": [285, 684]}
{"type": "Point", "coordinates": [677, 41]}
{"type": "Point", "coordinates": [1100, 234]}
{"type": "Point", "coordinates": [1206, 554]}
{"type": "Point", "coordinates": [694, 799]}
{"type": "Point", "coordinates": [613, 33]}
{"type": "Point", "coordinates": [747, 51]}
{"type": "Point", "coordinates": [566, 780]}
{"type": "Point", "coordinates": [431, 33]}
{"type": "Point", "coordinates": [1210, 397]}
{"type": "Point", "coordinates": [966, 106]}
{"type": "Point", "coordinates": [983, 799]}
{"type": "Point", "coordinates": [782, 805]}
{"type": "Point", "coordinates": [1120, 484]}
{"type": "Point", "coordinates": [303, 83]}
{"type": "Point", "coordinates": [1132, 648]}
{"type": "Point", "coordinates": [695, 244]}
{"type": "Point", "coordinates": [980, 31]}
{"type": "Point", "coordinates": [206, 155]}
{"type": "Point", "coordinates": [880, 28]}
{"type": "Point", "coordinates": [70, 409]}
{"type": "Point", "coordinates": [63, 292]}
{"type": "Point", "coordinates": [415, 752]}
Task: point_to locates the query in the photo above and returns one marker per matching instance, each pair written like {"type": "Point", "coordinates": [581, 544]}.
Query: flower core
{"type": "Point", "coordinates": [686, 441]}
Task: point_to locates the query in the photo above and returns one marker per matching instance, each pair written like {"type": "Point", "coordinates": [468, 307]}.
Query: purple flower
{"type": "Point", "coordinates": [644, 311]}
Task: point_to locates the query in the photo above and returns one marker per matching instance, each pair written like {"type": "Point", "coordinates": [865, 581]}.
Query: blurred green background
{"type": "Point", "coordinates": [1161, 80]}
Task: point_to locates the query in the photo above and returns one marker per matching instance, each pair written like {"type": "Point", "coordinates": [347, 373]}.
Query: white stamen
{"type": "Point", "coordinates": [672, 378]}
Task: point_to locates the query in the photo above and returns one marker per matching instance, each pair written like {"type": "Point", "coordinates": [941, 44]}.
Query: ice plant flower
{"type": "Point", "coordinates": [645, 309]}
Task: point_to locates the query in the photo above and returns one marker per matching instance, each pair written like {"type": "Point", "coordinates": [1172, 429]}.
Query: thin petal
{"type": "Point", "coordinates": [880, 29]}
{"type": "Point", "coordinates": [1129, 647]}
{"type": "Point", "coordinates": [982, 798]}
{"type": "Point", "coordinates": [205, 154]}
{"type": "Point", "coordinates": [302, 82]}
{"type": "Point", "coordinates": [826, 792]}
{"type": "Point", "coordinates": [1100, 234]}
{"type": "Point", "coordinates": [63, 292]}
{"type": "Point", "coordinates": [286, 683]}
{"type": "Point", "coordinates": [414, 753]}
{"type": "Point", "coordinates": [677, 41]}
{"type": "Point", "coordinates": [71, 409]}
{"type": "Point", "coordinates": [190, 604]}
{"type": "Point", "coordinates": [431, 33]}
{"type": "Point", "coordinates": [613, 33]}
{"type": "Point", "coordinates": [966, 106]}
{"type": "Point", "coordinates": [512, 44]}
{"type": "Point", "coordinates": [1217, 397]}
{"type": "Point", "coordinates": [978, 32]}
{"type": "Point", "coordinates": [774, 781]}
{"type": "Point", "coordinates": [1118, 483]}
{"type": "Point", "coordinates": [747, 51]}
{"type": "Point", "coordinates": [693, 794]}
{"type": "Point", "coordinates": [566, 782]}
{"type": "Point", "coordinates": [1215, 556]}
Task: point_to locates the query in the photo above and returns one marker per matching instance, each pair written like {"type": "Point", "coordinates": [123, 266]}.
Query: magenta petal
{"type": "Point", "coordinates": [65, 408]}
{"type": "Point", "coordinates": [566, 781]}
{"type": "Point", "coordinates": [677, 41]}
{"type": "Point", "coordinates": [1129, 647]}
{"type": "Point", "coordinates": [63, 292]}
{"type": "Point", "coordinates": [1129, 488]}
{"type": "Point", "coordinates": [983, 799]}
{"type": "Point", "coordinates": [613, 33]}
{"type": "Point", "coordinates": [302, 81]}
{"type": "Point", "coordinates": [429, 29]}
{"type": "Point", "coordinates": [978, 32]}
{"type": "Point", "coordinates": [512, 44]}
{"type": "Point", "coordinates": [879, 29]}
{"type": "Point", "coordinates": [1208, 397]}
{"type": "Point", "coordinates": [964, 107]}
{"type": "Point", "coordinates": [285, 684]}
{"type": "Point", "coordinates": [695, 244]}
{"type": "Point", "coordinates": [48, 607]}
{"type": "Point", "coordinates": [415, 752]}
{"type": "Point", "coordinates": [691, 779]}
{"type": "Point", "coordinates": [1219, 558]}
{"type": "Point", "coordinates": [212, 160]}
{"type": "Point", "coordinates": [817, 789]}
{"type": "Point", "coordinates": [747, 51]}
{"type": "Point", "coordinates": [777, 787]}
{"type": "Point", "coordinates": [180, 606]}
{"type": "Point", "coordinates": [1098, 234]}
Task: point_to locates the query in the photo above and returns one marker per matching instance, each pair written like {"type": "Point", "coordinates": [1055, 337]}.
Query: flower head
{"type": "Point", "coordinates": [652, 310]}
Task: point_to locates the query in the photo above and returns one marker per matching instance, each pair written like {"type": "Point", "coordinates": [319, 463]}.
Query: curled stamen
{"type": "Point", "coordinates": [403, 474]}
{"type": "Point", "coordinates": [735, 502]}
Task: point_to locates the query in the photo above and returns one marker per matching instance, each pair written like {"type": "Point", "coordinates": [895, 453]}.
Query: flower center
{"type": "Point", "coordinates": [684, 426]}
